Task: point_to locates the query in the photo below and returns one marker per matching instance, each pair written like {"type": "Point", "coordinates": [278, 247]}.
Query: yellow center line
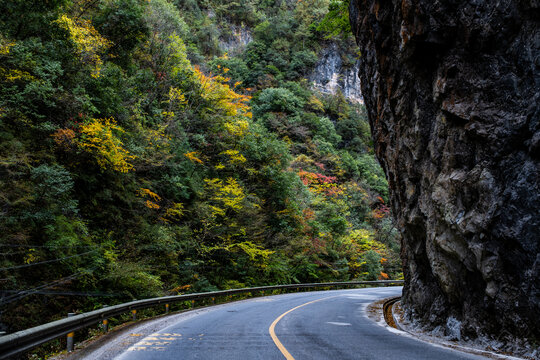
{"type": "Point", "coordinates": [272, 327]}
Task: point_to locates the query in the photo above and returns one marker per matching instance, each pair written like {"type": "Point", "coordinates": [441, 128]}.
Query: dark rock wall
{"type": "Point", "coordinates": [452, 92]}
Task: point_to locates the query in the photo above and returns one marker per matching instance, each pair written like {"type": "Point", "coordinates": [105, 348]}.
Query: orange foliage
{"type": "Point", "coordinates": [151, 205]}
{"type": "Point", "coordinates": [147, 192]}
{"type": "Point", "coordinates": [308, 214]}
{"type": "Point", "coordinates": [142, 192]}
{"type": "Point", "coordinates": [64, 138]}
{"type": "Point", "coordinates": [321, 184]}
{"type": "Point", "coordinates": [178, 289]}
{"type": "Point", "coordinates": [381, 212]}
{"type": "Point", "coordinates": [193, 157]}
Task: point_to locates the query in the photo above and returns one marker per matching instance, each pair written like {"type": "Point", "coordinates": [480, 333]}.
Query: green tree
{"type": "Point", "coordinates": [336, 21]}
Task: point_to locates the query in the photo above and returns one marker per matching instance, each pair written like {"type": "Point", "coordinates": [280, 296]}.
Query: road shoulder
{"type": "Point", "coordinates": [375, 312]}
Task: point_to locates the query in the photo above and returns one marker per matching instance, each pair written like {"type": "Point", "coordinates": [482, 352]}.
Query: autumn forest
{"type": "Point", "coordinates": [141, 157]}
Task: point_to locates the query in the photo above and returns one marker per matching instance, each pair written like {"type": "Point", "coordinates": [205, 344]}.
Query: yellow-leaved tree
{"type": "Point", "coordinates": [89, 44]}
{"type": "Point", "coordinates": [225, 195]}
{"type": "Point", "coordinates": [99, 138]}
{"type": "Point", "coordinates": [226, 102]}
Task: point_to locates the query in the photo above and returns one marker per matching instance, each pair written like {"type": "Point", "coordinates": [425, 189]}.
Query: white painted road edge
{"type": "Point", "coordinates": [437, 342]}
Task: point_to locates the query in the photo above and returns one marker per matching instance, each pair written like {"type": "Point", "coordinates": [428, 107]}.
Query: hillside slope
{"type": "Point", "coordinates": [138, 159]}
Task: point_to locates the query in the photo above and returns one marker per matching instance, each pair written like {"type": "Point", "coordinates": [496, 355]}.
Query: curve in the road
{"type": "Point", "coordinates": [306, 327]}
{"type": "Point", "coordinates": [272, 327]}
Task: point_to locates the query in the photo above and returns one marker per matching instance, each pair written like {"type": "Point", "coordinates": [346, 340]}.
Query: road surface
{"type": "Point", "coordinates": [310, 325]}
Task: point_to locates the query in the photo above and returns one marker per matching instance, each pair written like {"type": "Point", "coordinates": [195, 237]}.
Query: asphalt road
{"type": "Point", "coordinates": [311, 325]}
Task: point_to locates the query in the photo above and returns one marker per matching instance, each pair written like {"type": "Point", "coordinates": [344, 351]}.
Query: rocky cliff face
{"type": "Point", "coordinates": [452, 89]}
{"type": "Point", "coordinates": [332, 74]}
{"type": "Point", "coordinates": [237, 40]}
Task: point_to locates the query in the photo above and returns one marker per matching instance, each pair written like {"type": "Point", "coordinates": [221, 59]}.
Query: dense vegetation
{"type": "Point", "coordinates": [137, 159]}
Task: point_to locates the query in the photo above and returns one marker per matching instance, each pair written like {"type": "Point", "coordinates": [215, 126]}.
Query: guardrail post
{"type": "Point", "coordinates": [213, 300]}
{"type": "Point", "coordinates": [192, 304]}
{"type": "Point", "coordinates": [134, 314]}
{"type": "Point", "coordinates": [105, 322]}
{"type": "Point", "coordinates": [166, 308]}
{"type": "Point", "coordinates": [70, 337]}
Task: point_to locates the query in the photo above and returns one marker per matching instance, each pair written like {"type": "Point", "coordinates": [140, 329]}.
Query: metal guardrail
{"type": "Point", "coordinates": [21, 341]}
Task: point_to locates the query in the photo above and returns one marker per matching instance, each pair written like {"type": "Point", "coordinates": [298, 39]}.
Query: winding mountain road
{"type": "Point", "coordinates": [310, 325]}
